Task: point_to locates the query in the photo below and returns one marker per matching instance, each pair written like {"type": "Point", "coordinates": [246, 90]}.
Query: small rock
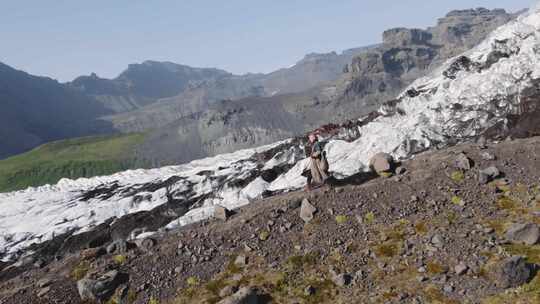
{"type": "Point", "coordinates": [294, 204]}
{"type": "Point", "coordinates": [461, 268]}
{"type": "Point", "coordinates": [482, 142]}
{"type": "Point", "coordinates": [512, 272]}
{"type": "Point", "coordinates": [400, 170]}
{"type": "Point", "coordinates": [221, 213]}
{"type": "Point", "coordinates": [437, 241]}
{"type": "Point", "coordinates": [488, 156]}
{"type": "Point", "coordinates": [341, 279]}
{"type": "Point", "coordinates": [39, 263]}
{"type": "Point", "coordinates": [448, 288]}
{"type": "Point", "coordinates": [178, 269]}
{"type": "Point", "coordinates": [421, 278]}
{"type": "Point", "coordinates": [307, 211]}
{"type": "Point", "coordinates": [228, 291]}
{"type": "Point", "coordinates": [245, 295]}
{"type": "Point", "coordinates": [528, 233]}
{"type": "Point", "coordinates": [463, 162]}
{"type": "Point", "coordinates": [44, 283]}
{"type": "Point", "coordinates": [310, 290]}
{"type": "Point", "coordinates": [488, 174]}
{"type": "Point", "coordinates": [42, 292]}
{"type": "Point", "coordinates": [241, 261]}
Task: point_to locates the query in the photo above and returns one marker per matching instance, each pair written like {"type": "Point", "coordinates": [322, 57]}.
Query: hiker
{"type": "Point", "coordinates": [317, 169]}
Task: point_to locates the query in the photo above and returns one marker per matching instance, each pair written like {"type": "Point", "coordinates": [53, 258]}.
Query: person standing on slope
{"type": "Point", "coordinates": [317, 169]}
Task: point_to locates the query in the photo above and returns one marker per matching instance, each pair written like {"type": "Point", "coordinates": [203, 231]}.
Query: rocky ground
{"type": "Point", "coordinates": [460, 225]}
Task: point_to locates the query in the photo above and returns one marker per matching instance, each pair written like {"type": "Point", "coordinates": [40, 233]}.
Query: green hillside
{"type": "Point", "coordinates": [73, 158]}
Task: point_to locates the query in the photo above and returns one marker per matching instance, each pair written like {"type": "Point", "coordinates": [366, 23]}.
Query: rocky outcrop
{"type": "Point", "coordinates": [407, 54]}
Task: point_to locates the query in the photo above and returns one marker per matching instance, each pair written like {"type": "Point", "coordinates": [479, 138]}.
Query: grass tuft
{"type": "Point", "coordinates": [457, 176]}
{"type": "Point", "coordinates": [341, 219]}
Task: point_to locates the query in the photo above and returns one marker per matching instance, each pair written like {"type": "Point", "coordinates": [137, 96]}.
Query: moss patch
{"type": "Point", "coordinates": [341, 219]}
{"type": "Point", "coordinates": [457, 176]}
{"type": "Point", "coordinates": [80, 271]}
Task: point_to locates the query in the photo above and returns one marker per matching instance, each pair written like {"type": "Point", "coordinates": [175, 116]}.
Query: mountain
{"type": "Point", "coordinates": [407, 54]}
{"type": "Point", "coordinates": [35, 110]}
{"type": "Point", "coordinates": [142, 84]}
{"type": "Point", "coordinates": [374, 75]}
{"type": "Point", "coordinates": [313, 70]}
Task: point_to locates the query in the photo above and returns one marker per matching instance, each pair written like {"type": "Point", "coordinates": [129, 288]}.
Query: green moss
{"type": "Point", "coordinates": [341, 219]}
{"type": "Point", "coordinates": [420, 228]}
{"type": "Point", "coordinates": [385, 174]}
{"type": "Point", "coordinates": [435, 296]}
{"type": "Point", "coordinates": [532, 253]}
{"type": "Point", "coordinates": [369, 217]}
{"type": "Point", "coordinates": [74, 158]}
{"type": "Point", "coordinates": [264, 235]}
{"type": "Point", "coordinates": [386, 250]}
{"type": "Point", "coordinates": [457, 176]}
{"type": "Point", "coordinates": [435, 268]}
{"type": "Point", "coordinates": [451, 217]}
{"type": "Point", "coordinates": [153, 301]}
{"type": "Point", "coordinates": [80, 271]}
{"type": "Point", "coordinates": [297, 262]}
{"type": "Point", "coordinates": [232, 268]}
{"type": "Point", "coordinates": [325, 291]}
{"type": "Point", "coordinates": [120, 259]}
{"type": "Point", "coordinates": [192, 281]}
{"type": "Point", "coordinates": [456, 200]}
{"type": "Point", "coordinates": [506, 203]}
{"type": "Point", "coordinates": [526, 294]}
{"type": "Point", "coordinates": [215, 286]}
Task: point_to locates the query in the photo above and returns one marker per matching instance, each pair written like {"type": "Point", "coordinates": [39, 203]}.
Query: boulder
{"type": "Point", "coordinates": [100, 288]}
{"type": "Point", "coordinates": [488, 174]}
{"type": "Point", "coordinates": [221, 213]}
{"type": "Point", "coordinates": [241, 261]}
{"type": "Point", "coordinates": [341, 279]}
{"type": "Point", "coordinates": [245, 295]}
{"type": "Point", "coordinates": [461, 268]}
{"type": "Point", "coordinates": [463, 162]}
{"type": "Point", "coordinates": [307, 211]}
{"type": "Point", "coordinates": [511, 272]}
{"type": "Point", "coordinates": [528, 234]}
{"type": "Point", "coordinates": [382, 162]}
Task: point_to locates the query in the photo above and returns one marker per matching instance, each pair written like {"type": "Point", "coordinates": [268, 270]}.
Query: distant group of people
{"type": "Point", "coordinates": [316, 170]}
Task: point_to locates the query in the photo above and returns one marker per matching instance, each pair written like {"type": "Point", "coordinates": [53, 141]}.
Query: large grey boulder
{"type": "Point", "coordinates": [512, 272]}
{"type": "Point", "coordinates": [463, 162]}
{"type": "Point", "coordinates": [307, 211]}
{"type": "Point", "coordinates": [528, 233]}
{"type": "Point", "coordinates": [100, 288]}
{"type": "Point", "coordinates": [381, 162]}
{"type": "Point", "coordinates": [245, 295]}
{"type": "Point", "coordinates": [488, 174]}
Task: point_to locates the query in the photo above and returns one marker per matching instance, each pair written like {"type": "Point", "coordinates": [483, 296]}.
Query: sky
{"type": "Point", "coordinates": [64, 39]}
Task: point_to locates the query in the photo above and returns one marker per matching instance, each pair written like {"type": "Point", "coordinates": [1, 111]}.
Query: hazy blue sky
{"type": "Point", "coordinates": [66, 38]}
